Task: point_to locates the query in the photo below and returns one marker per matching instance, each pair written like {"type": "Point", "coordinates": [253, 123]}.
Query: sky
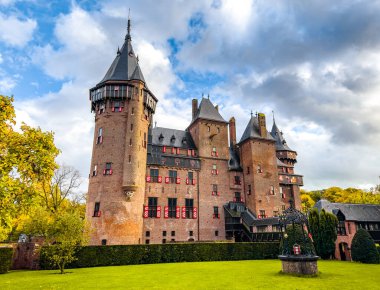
{"type": "Point", "coordinates": [315, 63]}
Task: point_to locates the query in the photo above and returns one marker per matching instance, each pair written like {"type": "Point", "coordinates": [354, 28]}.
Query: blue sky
{"type": "Point", "coordinates": [315, 63]}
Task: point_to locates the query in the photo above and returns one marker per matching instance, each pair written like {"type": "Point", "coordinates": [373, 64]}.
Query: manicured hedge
{"type": "Point", "coordinates": [5, 259]}
{"type": "Point", "coordinates": [93, 256]}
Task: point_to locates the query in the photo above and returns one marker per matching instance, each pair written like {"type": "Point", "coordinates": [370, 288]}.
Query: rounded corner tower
{"type": "Point", "coordinates": [123, 107]}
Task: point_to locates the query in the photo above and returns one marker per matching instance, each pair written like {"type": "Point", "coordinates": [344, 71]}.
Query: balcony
{"type": "Point", "coordinates": [290, 179]}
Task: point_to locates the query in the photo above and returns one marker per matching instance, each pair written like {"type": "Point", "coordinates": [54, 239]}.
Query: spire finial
{"type": "Point", "coordinates": [251, 113]}
{"type": "Point", "coordinates": [118, 51]}
{"type": "Point", "coordinates": [274, 121]}
{"type": "Point", "coordinates": [137, 58]}
{"type": "Point", "coordinates": [129, 25]}
{"type": "Point", "coordinates": [208, 96]}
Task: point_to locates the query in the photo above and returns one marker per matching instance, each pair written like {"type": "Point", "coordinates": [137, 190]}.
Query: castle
{"type": "Point", "coordinates": [156, 185]}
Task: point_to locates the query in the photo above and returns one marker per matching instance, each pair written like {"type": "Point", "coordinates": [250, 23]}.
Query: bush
{"type": "Point", "coordinates": [94, 256]}
{"type": "Point", "coordinates": [5, 259]}
{"type": "Point", "coordinates": [363, 248]}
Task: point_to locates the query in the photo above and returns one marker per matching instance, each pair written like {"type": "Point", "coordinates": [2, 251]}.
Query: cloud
{"type": "Point", "coordinates": [7, 84]}
{"type": "Point", "coordinates": [16, 32]}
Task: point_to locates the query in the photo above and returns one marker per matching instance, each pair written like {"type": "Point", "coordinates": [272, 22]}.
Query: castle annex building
{"type": "Point", "coordinates": [157, 185]}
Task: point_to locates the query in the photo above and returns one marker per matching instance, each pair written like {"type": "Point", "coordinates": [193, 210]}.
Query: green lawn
{"type": "Point", "coordinates": [257, 274]}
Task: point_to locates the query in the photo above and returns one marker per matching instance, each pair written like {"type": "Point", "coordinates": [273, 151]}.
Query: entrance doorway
{"type": "Point", "coordinates": [343, 251]}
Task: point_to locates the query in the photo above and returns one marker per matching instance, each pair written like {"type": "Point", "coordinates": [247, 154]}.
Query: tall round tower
{"type": "Point", "coordinates": [123, 107]}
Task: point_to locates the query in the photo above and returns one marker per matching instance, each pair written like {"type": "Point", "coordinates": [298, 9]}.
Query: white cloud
{"type": "Point", "coordinates": [1, 58]}
{"type": "Point", "coordinates": [16, 32]}
{"type": "Point", "coordinates": [7, 84]}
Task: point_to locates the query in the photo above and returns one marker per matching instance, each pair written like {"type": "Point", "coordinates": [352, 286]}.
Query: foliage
{"type": "Point", "coordinates": [363, 248]}
{"type": "Point", "coordinates": [94, 256]}
{"type": "Point", "coordinates": [5, 259]}
{"type": "Point", "coordinates": [249, 274]}
{"type": "Point", "coordinates": [62, 185]}
{"type": "Point", "coordinates": [26, 159]}
{"type": "Point", "coordinates": [295, 235]}
{"type": "Point", "coordinates": [63, 234]}
{"type": "Point", "coordinates": [322, 226]}
{"type": "Point", "coordinates": [337, 194]}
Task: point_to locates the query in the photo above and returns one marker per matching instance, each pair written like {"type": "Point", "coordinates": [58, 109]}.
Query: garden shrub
{"type": "Point", "coordinates": [93, 256]}
{"type": "Point", "coordinates": [363, 248]}
{"type": "Point", "coordinates": [5, 259]}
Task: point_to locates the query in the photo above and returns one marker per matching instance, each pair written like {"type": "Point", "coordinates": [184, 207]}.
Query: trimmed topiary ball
{"type": "Point", "coordinates": [363, 248]}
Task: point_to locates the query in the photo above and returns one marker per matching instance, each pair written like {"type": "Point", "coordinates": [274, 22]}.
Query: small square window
{"type": "Point", "coordinates": [147, 242]}
{"type": "Point", "coordinates": [147, 233]}
{"type": "Point", "coordinates": [216, 233]}
{"type": "Point", "coordinates": [104, 242]}
{"type": "Point", "coordinates": [164, 233]}
{"type": "Point", "coordinates": [172, 240]}
{"type": "Point", "coordinates": [191, 233]}
{"type": "Point", "coordinates": [173, 233]}
{"type": "Point", "coordinates": [164, 241]}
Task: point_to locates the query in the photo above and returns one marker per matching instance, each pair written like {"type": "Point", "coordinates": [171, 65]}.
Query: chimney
{"type": "Point", "coordinates": [194, 107]}
{"type": "Point", "coordinates": [262, 126]}
{"type": "Point", "coordinates": [217, 108]}
{"type": "Point", "coordinates": [232, 128]}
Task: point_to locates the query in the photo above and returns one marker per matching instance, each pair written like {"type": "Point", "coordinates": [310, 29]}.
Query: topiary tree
{"type": "Point", "coordinates": [322, 226]}
{"type": "Point", "coordinates": [294, 235]}
{"type": "Point", "coordinates": [363, 248]}
{"type": "Point", "coordinates": [5, 259]}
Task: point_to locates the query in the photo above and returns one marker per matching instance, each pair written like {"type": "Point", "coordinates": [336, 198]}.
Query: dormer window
{"type": "Point", "coordinates": [184, 141]}
{"type": "Point", "coordinates": [161, 137]}
{"type": "Point", "coordinates": [172, 139]}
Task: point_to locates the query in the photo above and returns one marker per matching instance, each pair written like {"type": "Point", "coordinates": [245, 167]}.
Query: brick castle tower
{"type": "Point", "coordinates": [157, 185]}
{"type": "Point", "coordinates": [123, 107]}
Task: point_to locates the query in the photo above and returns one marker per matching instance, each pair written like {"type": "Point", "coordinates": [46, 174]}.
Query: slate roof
{"type": "Point", "coordinates": [266, 221]}
{"type": "Point", "coordinates": [252, 131]}
{"type": "Point", "coordinates": [125, 66]}
{"type": "Point", "coordinates": [282, 164]}
{"type": "Point", "coordinates": [172, 137]}
{"type": "Point", "coordinates": [280, 141]}
{"type": "Point", "coordinates": [207, 111]}
{"type": "Point", "coordinates": [352, 211]}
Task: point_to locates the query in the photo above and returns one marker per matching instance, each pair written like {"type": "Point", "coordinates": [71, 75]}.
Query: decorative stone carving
{"type": "Point", "coordinates": [128, 194]}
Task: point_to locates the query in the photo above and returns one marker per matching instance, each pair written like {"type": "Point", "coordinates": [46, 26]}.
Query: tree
{"type": "Point", "coordinates": [322, 226]}
{"type": "Point", "coordinates": [63, 233]}
{"type": "Point", "coordinates": [63, 184]}
{"type": "Point", "coordinates": [295, 235]}
{"type": "Point", "coordinates": [363, 248]}
{"type": "Point", "coordinates": [26, 159]}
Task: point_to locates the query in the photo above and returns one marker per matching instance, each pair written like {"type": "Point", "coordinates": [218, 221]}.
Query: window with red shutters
{"type": "Point", "coordinates": [216, 214]}
{"type": "Point", "coordinates": [97, 212]}
{"type": "Point", "coordinates": [108, 169]}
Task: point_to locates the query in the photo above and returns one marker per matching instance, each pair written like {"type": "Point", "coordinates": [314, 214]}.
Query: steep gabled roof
{"type": "Point", "coordinates": [252, 131]}
{"type": "Point", "coordinates": [125, 66]}
{"type": "Point", "coordinates": [352, 211]}
{"type": "Point", "coordinates": [207, 111]}
{"type": "Point", "coordinates": [278, 136]}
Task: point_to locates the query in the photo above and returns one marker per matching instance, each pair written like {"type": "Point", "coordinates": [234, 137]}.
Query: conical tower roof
{"type": "Point", "coordinates": [280, 140]}
{"type": "Point", "coordinates": [125, 66]}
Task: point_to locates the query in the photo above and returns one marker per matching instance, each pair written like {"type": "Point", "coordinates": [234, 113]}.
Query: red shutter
{"type": "Point", "coordinates": [159, 179]}
{"type": "Point", "coordinates": [104, 172]}
{"type": "Point", "coordinates": [216, 154]}
{"type": "Point", "coordinates": [193, 152]}
{"type": "Point", "coordinates": [212, 171]}
{"type": "Point", "coordinates": [113, 109]}
{"type": "Point", "coordinates": [213, 193]}
{"type": "Point", "coordinates": [110, 171]}
{"type": "Point", "coordinates": [158, 212]}
{"type": "Point", "coordinates": [164, 149]}
{"type": "Point", "coordinates": [178, 180]}
{"type": "Point", "coordinates": [177, 212]}
{"type": "Point", "coordinates": [195, 213]}
{"type": "Point", "coordinates": [146, 210]}
{"type": "Point", "coordinates": [166, 212]}
{"type": "Point", "coordinates": [173, 150]}
{"type": "Point", "coordinates": [212, 153]}
{"type": "Point", "coordinates": [187, 180]}
{"type": "Point", "coordinates": [148, 179]}
{"type": "Point", "coordinates": [120, 109]}
{"type": "Point", "coordinates": [183, 212]}
{"type": "Point", "coordinates": [283, 195]}
{"type": "Point", "coordinates": [217, 193]}
{"type": "Point", "coordinates": [167, 179]}
{"type": "Point", "coordinates": [193, 182]}
{"type": "Point", "coordinates": [216, 172]}
{"type": "Point", "coordinates": [188, 152]}
{"type": "Point", "coordinates": [178, 151]}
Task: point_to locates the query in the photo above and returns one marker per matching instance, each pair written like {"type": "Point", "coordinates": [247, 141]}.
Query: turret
{"type": "Point", "coordinates": [123, 107]}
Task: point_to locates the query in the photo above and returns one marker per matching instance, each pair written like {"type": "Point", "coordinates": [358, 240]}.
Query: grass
{"type": "Point", "coordinates": [256, 274]}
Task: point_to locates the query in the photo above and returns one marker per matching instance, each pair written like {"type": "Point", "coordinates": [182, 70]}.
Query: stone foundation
{"type": "Point", "coordinates": [300, 265]}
